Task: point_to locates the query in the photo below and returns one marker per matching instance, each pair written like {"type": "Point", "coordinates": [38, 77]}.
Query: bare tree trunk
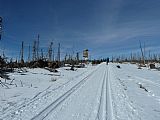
{"type": "Point", "coordinates": [143, 59]}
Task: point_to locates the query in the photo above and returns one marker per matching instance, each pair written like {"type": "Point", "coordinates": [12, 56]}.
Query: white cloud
{"type": "Point", "coordinates": [125, 32]}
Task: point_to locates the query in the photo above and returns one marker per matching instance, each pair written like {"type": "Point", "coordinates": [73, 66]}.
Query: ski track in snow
{"type": "Point", "coordinates": [38, 96]}
{"type": "Point", "coordinates": [44, 113]}
{"type": "Point", "coordinates": [101, 93]}
{"type": "Point", "coordinates": [17, 114]}
{"type": "Point", "coordinates": [59, 106]}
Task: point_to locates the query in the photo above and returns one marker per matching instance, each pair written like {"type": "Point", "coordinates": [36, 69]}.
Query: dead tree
{"type": "Point", "coordinates": [37, 48]}
{"type": "Point", "coordinates": [77, 57]}
{"type": "Point", "coordinates": [58, 56]}
{"type": "Point", "coordinates": [65, 58]}
{"type": "Point", "coordinates": [29, 56]}
{"type": "Point", "coordinates": [34, 51]}
{"type": "Point", "coordinates": [50, 51]}
{"type": "Point", "coordinates": [142, 52]}
{"type": "Point", "coordinates": [53, 55]}
{"type": "Point", "coordinates": [0, 28]}
{"type": "Point", "coordinates": [22, 52]}
{"type": "Point", "coordinates": [42, 56]}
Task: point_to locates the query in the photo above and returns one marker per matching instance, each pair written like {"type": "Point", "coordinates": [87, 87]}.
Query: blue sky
{"type": "Point", "coordinates": [105, 27]}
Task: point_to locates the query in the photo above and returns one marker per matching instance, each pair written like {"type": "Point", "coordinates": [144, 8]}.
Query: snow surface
{"type": "Point", "coordinates": [96, 93]}
{"type": "Point", "coordinates": [130, 102]}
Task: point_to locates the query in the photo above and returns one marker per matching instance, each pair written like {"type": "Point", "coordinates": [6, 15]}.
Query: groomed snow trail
{"type": "Point", "coordinates": [87, 99]}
